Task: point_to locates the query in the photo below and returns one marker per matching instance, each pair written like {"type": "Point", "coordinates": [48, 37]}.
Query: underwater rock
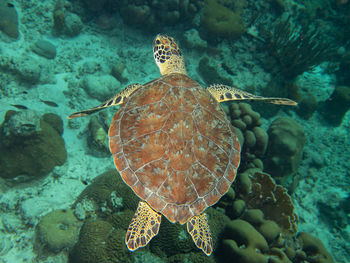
{"type": "Point", "coordinates": [94, 5]}
{"type": "Point", "coordinates": [336, 106]}
{"type": "Point", "coordinates": [220, 21]}
{"type": "Point", "coordinates": [5, 244]}
{"type": "Point", "coordinates": [193, 41]}
{"type": "Point", "coordinates": [119, 72]}
{"type": "Point", "coordinates": [58, 230]}
{"type": "Point", "coordinates": [285, 148]}
{"type": "Point", "coordinates": [25, 68]}
{"type": "Point", "coordinates": [73, 25]}
{"type": "Point", "coordinates": [65, 22]}
{"type": "Point", "coordinates": [92, 85]}
{"type": "Point", "coordinates": [27, 139]}
{"type": "Point", "coordinates": [137, 15]}
{"type": "Point", "coordinates": [210, 74]}
{"type": "Point", "coordinates": [8, 19]}
{"type": "Point", "coordinates": [45, 49]}
{"type": "Point", "coordinates": [307, 106]}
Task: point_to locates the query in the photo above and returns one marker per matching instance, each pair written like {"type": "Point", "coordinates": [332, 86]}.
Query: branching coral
{"type": "Point", "coordinates": [297, 48]}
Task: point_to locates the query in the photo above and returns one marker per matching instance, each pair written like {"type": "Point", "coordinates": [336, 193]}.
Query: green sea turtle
{"type": "Point", "coordinates": [174, 146]}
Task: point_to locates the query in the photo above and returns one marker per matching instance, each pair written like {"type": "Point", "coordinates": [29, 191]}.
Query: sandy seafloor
{"type": "Point", "coordinates": [22, 205]}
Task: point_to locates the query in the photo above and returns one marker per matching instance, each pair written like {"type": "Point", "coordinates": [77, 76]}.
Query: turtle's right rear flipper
{"type": "Point", "coordinates": [114, 101]}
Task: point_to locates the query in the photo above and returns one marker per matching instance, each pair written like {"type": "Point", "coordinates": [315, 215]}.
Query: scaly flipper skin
{"type": "Point", "coordinates": [167, 55]}
{"type": "Point", "coordinates": [114, 101]}
{"type": "Point", "coordinates": [199, 229]}
{"type": "Point", "coordinates": [143, 227]}
{"type": "Point", "coordinates": [226, 93]}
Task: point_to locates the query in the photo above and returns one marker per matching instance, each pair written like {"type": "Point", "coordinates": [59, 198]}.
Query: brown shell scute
{"type": "Point", "coordinates": [174, 147]}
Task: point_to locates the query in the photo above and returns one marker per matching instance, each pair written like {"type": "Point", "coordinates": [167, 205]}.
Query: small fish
{"type": "Point", "coordinates": [49, 103]}
{"type": "Point", "coordinates": [21, 107]}
{"type": "Point", "coordinates": [29, 125]}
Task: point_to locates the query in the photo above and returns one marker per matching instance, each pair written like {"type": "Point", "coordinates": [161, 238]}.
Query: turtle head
{"type": "Point", "coordinates": [167, 55]}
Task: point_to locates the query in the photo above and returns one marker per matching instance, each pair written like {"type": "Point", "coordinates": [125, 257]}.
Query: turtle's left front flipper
{"type": "Point", "coordinates": [114, 101]}
{"type": "Point", "coordinates": [226, 93]}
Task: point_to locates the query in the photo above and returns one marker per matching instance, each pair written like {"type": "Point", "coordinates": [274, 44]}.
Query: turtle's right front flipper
{"type": "Point", "coordinates": [114, 101]}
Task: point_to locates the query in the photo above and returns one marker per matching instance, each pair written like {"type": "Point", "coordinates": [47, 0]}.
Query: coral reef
{"type": "Point", "coordinates": [265, 229]}
{"type": "Point", "coordinates": [193, 257]}
{"type": "Point", "coordinates": [151, 15]}
{"type": "Point", "coordinates": [259, 191]}
{"type": "Point", "coordinates": [155, 14]}
{"type": "Point", "coordinates": [336, 106]}
{"type": "Point", "coordinates": [107, 194]}
{"type": "Point", "coordinates": [296, 47]}
{"type": "Point", "coordinates": [9, 19]}
{"type": "Point", "coordinates": [220, 21]}
{"type": "Point", "coordinates": [30, 145]}
{"type": "Point", "coordinates": [100, 242]}
{"type": "Point", "coordinates": [173, 239]}
{"type": "Point", "coordinates": [247, 236]}
{"type": "Point", "coordinates": [58, 230]}
{"type": "Point", "coordinates": [253, 138]}
{"type": "Point", "coordinates": [285, 148]}
{"type": "Point", "coordinates": [314, 249]}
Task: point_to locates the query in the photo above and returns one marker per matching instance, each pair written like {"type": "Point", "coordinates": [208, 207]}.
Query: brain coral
{"type": "Point", "coordinates": [107, 194]}
{"type": "Point", "coordinates": [100, 242]}
{"type": "Point", "coordinates": [58, 230]}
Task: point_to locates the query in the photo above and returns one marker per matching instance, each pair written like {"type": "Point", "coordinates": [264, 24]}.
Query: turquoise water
{"type": "Point", "coordinates": [63, 200]}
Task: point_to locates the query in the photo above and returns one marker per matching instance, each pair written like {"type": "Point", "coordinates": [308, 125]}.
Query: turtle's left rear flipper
{"type": "Point", "coordinates": [114, 101]}
{"type": "Point", "coordinates": [226, 93]}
